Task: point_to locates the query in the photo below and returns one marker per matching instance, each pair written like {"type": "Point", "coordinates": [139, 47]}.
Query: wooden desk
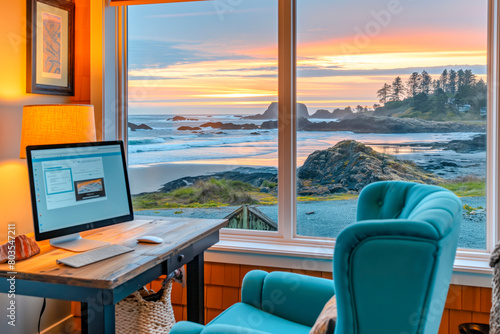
{"type": "Point", "coordinates": [101, 285]}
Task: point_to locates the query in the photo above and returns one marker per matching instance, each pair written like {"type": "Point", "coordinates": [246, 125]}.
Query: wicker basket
{"type": "Point", "coordinates": [146, 312]}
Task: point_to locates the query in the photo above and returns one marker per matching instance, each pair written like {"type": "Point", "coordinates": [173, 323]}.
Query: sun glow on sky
{"type": "Point", "coordinates": [187, 58]}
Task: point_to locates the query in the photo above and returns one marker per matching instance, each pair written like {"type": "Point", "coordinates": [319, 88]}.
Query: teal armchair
{"type": "Point", "coordinates": [391, 270]}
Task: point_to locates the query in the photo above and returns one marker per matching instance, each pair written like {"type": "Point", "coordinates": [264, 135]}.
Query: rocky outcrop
{"type": "Point", "coordinates": [142, 126]}
{"type": "Point", "coordinates": [272, 112]}
{"type": "Point", "coordinates": [336, 114]}
{"type": "Point", "coordinates": [350, 165]}
{"type": "Point", "coordinates": [380, 124]}
{"type": "Point", "coordinates": [181, 118]}
{"type": "Point", "coordinates": [477, 144]}
{"type": "Point", "coordinates": [188, 128]}
{"type": "Point", "coordinates": [230, 126]}
{"type": "Point", "coordinates": [322, 113]}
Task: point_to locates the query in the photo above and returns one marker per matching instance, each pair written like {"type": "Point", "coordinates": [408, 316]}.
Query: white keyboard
{"type": "Point", "coordinates": [94, 255]}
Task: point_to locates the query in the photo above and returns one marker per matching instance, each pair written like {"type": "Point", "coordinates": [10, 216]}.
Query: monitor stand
{"type": "Point", "coordinates": [75, 243]}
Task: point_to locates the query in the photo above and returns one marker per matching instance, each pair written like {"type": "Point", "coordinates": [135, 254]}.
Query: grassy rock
{"type": "Point", "coordinates": [350, 165]}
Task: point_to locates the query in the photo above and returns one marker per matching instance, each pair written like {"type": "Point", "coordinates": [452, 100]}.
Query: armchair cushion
{"type": "Point", "coordinates": [294, 297]}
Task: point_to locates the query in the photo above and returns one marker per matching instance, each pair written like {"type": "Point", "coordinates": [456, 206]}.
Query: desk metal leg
{"type": "Point", "coordinates": [98, 318]}
{"type": "Point", "coordinates": [195, 290]}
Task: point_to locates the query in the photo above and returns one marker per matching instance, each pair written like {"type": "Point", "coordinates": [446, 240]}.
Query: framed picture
{"type": "Point", "coordinates": [50, 52]}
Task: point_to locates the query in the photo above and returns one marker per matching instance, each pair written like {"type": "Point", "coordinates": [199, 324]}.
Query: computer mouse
{"type": "Point", "coordinates": [150, 239]}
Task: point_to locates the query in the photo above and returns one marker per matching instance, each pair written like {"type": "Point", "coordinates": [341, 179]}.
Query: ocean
{"type": "Point", "coordinates": [166, 144]}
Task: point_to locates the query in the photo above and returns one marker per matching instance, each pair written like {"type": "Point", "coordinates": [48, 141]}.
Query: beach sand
{"type": "Point", "coordinates": [150, 177]}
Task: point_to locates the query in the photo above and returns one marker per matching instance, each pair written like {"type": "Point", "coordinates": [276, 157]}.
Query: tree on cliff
{"type": "Point", "coordinates": [398, 89]}
{"type": "Point", "coordinates": [469, 78]}
{"type": "Point", "coordinates": [443, 80]}
{"type": "Point", "coordinates": [452, 82]}
{"type": "Point", "coordinates": [460, 78]}
{"type": "Point", "coordinates": [439, 101]}
{"type": "Point", "coordinates": [423, 97]}
{"type": "Point", "coordinates": [421, 102]}
{"type": "Point", "coordinates": [426, 82]}
{"type": "Point", "coordinates": [413, 84]}
{"type": "Point", "coordinates": [384, 93]}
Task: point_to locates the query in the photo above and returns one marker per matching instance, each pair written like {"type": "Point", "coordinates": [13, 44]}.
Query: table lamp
{"type": "Point", "coordinates": [57, 124]}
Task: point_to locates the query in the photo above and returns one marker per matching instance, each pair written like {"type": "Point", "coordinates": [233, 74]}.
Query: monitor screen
{"type": "Point", "coordinates": [78, 187]}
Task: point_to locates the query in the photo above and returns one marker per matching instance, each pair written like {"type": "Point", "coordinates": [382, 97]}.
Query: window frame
{"type": "Point", "coordinates": [274, 248]}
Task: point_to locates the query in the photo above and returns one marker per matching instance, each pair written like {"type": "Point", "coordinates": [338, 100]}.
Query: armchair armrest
{"type": "Point", "coordinates": [186, 327]}
{"type": "Point", "coordinates": [291, 296]}
{"type": "Point", "coordinates": [230, 329]}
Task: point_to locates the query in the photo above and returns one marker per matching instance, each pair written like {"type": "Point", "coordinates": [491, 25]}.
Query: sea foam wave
{"type": "Point", "coordinates": [145, 141]}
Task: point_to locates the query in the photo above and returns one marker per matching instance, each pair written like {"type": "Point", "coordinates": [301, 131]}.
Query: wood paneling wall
{"type": "Point", "coordinates": [223, 288]}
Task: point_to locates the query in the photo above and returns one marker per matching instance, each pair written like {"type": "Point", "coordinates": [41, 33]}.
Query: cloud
{"type": "Point", "coordinates": [312, 71]}
{"type": "Point", "coordinates": [215, 12]}
{"type": "Point", "coordinates": [144, 54]}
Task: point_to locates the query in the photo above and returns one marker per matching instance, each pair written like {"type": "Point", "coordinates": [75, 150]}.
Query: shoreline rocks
{"type": "Point", "coordinates": [181, 118]}
{"type": "Point", "coordinates": [189, 128]}
{"type": "Point", "coordinates": [142, 126]}
{"type": "Point", "coordinates": [230, 126]}
{"type": "Point", "coordinates": [477, 144]}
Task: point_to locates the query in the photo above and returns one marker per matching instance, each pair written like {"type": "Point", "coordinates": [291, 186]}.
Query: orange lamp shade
{"type": "Point", "coordinates": [57, 124]}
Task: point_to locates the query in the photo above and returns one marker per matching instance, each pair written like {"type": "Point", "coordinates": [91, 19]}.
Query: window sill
{"type": "Point", "coordinates": [470, 268]}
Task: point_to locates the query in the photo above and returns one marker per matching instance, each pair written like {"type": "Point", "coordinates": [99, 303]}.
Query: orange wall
{"type": "Point", "coordinates": [223, 288]}
{"type": "Point", "coordinates": [15, 204]}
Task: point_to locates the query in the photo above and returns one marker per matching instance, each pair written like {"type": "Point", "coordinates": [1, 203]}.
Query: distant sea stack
{"type": "Point", "coordinates": [142, 126]}
{"type": "Point", "coordinates": [229, 126]}
{"type": "Point", "coordinates": [350, 165]}
{"type": "Point", "coordinates": [181, 118]}
{"type": "Point", "coordinates": [322, 113]}
{"type": "Point", "coordinates": [272, 112]}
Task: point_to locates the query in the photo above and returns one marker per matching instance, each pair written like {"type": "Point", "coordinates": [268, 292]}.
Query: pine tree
{"type": "Point", "coordinates": [461, 78]}
{"type": "Point", "coordinates": [413, 84]}
{"type": "Point", "coordinates": [439, 101]}
{"type": "Point", "coordinates": [426, 82]}
{"type": "Point", "coordinates": [452, 82]}
{"type": "Point", "coordinates": [443, 79]}
{"type": "Point", "coordinates": [384, 93]}
{"type": "Point", "coordinates": [469, 78]}
{"type": "Point", "coordinates": [398, 89]}
{"type": "Point", "coordinates": [436, 84]}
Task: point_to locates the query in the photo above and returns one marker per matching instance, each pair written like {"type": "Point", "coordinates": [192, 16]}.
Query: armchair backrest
{"type": "Point", "coordinates": [392, 267]}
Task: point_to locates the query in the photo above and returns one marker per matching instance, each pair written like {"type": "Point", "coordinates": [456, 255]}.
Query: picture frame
{"type": "Point", "coordinates": [50, 52]}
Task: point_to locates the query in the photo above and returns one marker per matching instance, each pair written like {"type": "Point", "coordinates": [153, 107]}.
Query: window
{"type": "Point", "coordinates": [355, 61]}
{"type": "Point", "coordinates": [368, 75]}
{"type": "Point", "coordinates": [199, 75]}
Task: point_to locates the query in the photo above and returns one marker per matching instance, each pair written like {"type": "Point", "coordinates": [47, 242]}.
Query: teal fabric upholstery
{"type": "Point", "coordinates": [391, 269]}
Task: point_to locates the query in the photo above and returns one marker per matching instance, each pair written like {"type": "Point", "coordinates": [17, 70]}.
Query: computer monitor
{"type": "Point", "coordinates": [76, 188]}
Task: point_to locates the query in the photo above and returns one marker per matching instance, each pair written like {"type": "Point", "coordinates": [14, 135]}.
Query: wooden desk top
{"type": "Point", "coordinates": [177, 233]}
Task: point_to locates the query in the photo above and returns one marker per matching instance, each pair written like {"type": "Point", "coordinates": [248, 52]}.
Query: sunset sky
{"type": "Point", "coordinates": [212, 57]}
